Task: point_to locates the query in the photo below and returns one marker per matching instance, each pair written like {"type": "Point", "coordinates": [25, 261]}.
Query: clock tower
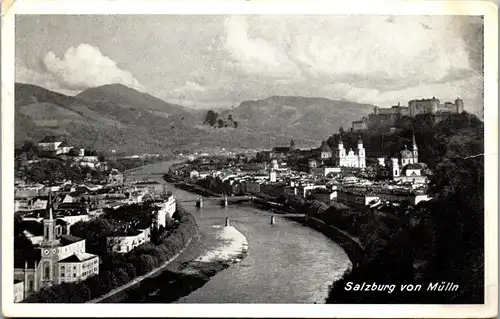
{"type": "Point", "coordinates": [48, 246]}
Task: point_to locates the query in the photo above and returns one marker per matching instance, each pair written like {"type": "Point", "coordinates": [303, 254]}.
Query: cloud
{"type": "Point", "coordinates": [370, 59]}
{"type": "Point", "coordinates": [223, 60]}
{"type": "Point", "coordinates": [190, 86]}
{"type": "Point", "coordinates": [254, 54]}
{"type": "Point", "coordinates": [43, 79]}
{"type": "Point", "coordinates": [418, 48]}
{"type": "Point", "coordinates": [85, 66]}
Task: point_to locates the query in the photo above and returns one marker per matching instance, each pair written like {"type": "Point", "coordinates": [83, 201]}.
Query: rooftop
{"type": "Point", "coordinates": [413, 166]}
{"type": "Point", "coordinates": [50, 139]}
{"type": "Point", "coordinates": [34, 227]}
{"type": "Point", "coordinates": [68, 240]}
{"type": "Point", "coordinates": [75, 258]}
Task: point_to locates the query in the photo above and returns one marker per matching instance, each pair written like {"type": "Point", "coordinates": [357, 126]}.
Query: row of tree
{"type": "Point", "coordinates": [57, 170]}
{"type": "Point", "coordinates": [116, 269]}
{"type": "Point", "coordinates": [29, 151]}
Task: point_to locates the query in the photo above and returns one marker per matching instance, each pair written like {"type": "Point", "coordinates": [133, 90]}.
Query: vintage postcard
{"type": "Point", "coordinates": [249, 159]}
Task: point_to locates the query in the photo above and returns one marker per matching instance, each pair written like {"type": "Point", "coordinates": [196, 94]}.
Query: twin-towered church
{"type": "Point", "coordinates": [344, 158]}
{"type": "Point", "coordinates": [405, 169]}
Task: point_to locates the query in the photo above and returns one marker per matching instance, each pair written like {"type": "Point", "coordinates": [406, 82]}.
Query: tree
{"type": "Point", "coordinates": [220, 122]}
{"type": "Point", "coordinates": [211, 118]}
{"type": "Point", "coordinates": [22, 242]}
{"type": "Point", "coordinates": [144, 264]}
{"type": "Point", "coordinates": [121, 275]}
{"type": "Point", "coordinates": [73, 152]}
{"type": "Point", "coordinates": [30, 150]}
{"type": "Point", "coordinates": [95, 233]}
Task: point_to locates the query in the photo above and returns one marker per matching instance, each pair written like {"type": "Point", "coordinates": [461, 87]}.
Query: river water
{"type": "Point", "coordinates": [286, 262]}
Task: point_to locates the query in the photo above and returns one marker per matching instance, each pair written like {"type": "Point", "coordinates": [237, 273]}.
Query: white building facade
{"type": "Point", "coordinates": [351, 159]}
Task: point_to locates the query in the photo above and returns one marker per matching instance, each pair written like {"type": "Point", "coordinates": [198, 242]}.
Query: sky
{"type": "Point", "coordinates": [213, 61]}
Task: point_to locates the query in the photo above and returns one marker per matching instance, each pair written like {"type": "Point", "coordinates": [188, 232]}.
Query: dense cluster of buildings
{"type": "Point", "coordinates": [47, 214]}
{"type": "Point", "coordinates": [57, 257]}
{"type": "Point", "coordinates": [331, 175]}
{"type": "Point", "coordinates": [387, 117]}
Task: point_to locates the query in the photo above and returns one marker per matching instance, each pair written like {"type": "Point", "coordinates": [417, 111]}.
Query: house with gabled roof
{"type": "Point", "coordinates": [50, 143]}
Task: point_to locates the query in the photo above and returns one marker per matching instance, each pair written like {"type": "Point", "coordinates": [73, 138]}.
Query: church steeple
{"type": "Point", "coordinates": [49, 225]}
{"type": "Point", "coordinates": [415, 149]}
{"type": "Point", "coordinates": [48, 247]}
{"type": "Point", "coordinates": [48, 212]}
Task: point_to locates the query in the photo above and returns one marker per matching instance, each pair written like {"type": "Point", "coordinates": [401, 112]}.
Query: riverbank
{"type": "Point", "coordinates": [191, 269]}
{"type": "Point", "coordinates": [140, 278]}
{"type": "Point", "coordinates": [351, 245]}
{"type": "Point", "coordinates": [234, 246]}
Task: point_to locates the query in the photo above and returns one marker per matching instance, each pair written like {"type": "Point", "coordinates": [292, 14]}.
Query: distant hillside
{"type": "Point", "coordinates": [108, 117]}
{"type": "Point", "coordinates": [281, 118]}
{"type": "Point", "coordinates": [116, 117]}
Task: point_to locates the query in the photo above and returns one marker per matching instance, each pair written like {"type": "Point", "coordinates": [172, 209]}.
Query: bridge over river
{"type": "Point", "coordinates": [286, 263]}
{"type": "Point", "coordinates": [224, 201]}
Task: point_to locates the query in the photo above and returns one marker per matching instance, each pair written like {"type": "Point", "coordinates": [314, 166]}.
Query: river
{"type": "Point", "coordinates": [286, 262]}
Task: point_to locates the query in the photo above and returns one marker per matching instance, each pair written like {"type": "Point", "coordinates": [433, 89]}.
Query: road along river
{"type": "Point", "coordinates": [286, 262]}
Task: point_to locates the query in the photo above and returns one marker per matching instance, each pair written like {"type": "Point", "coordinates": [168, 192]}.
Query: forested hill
{"type": "Point", "coordinates": [445, 240]}
{"type": "Point", "coordinates": [459, 135]}
{"type": "Point", "coordinates": [277, 119]}
{"type": "Point", "coordinates": [116, 117]}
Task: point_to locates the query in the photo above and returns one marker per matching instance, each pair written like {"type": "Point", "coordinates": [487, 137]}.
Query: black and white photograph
{"type": "Point", "coordinates": [249, 157]}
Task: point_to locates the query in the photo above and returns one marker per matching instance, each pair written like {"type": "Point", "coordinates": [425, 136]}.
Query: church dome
{"type": "Point", "coordinates": [325, 148]}
{"type": "Point", "coordinates": [406, 153]}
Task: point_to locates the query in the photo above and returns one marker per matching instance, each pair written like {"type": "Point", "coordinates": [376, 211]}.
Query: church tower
{"type": "Point", "coordinates": [341, 149]}
{"type": "Point", "coordinates": [361, 153]}
{"type": "Point", "coordinates": [415, 150]}
{"type": "Point", "coordinates": [341, 155]}
{"type": "Point", "coordinates": [48, 247]}
{"type": "Point", "coordinates": [395, 167]}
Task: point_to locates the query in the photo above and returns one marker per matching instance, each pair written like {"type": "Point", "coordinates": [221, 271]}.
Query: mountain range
{"type": "Point", "coordinates": [116, 117]}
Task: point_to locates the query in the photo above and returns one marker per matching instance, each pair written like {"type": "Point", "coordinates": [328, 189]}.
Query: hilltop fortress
{"type": "Point", "coordinates": [388, 116]}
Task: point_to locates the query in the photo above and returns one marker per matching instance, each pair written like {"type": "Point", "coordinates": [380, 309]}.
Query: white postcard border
{"type": "Point", "coordinates": [488, 9]}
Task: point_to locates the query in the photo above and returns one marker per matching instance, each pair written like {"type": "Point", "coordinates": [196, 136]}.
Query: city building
{"type": "Point", "coordinates": [44, 265]}
{"type": "Point", "coordinates": [63, 148]}
{"type": "Point", "coordinates": [351, 159]}
{"type": "Point", "coordinates": [194, 174]}
{"type": "Point", "coordinates": [129, 239]}
{"type": "Point", "coordinates": [50, 143]}
{"type": "Point", "coordinates": [432, 106]}
{"type": "Point", "coordinates": [272, 176]}
{"type": "Point", "coordinates": [325, 171]}
{"type": "Point", "coordinates": [407, 169]}
{"type": "Point", "coordinates": [325, 151]}
{"type": "Point", "coordinates": [312, 163]}
{"type": "Point", "coordinates": [166, 206]}
{"type": "Point", "coordinates": [151, 187]}
{"type": "Point", "coordinates": [354, 197]}
{"type": "Point", "coordinates": [387, 117]}
{"type": "Point", "coordinates": [282, 151]}
{"type": "Point", "coordinates": [18, 290]}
